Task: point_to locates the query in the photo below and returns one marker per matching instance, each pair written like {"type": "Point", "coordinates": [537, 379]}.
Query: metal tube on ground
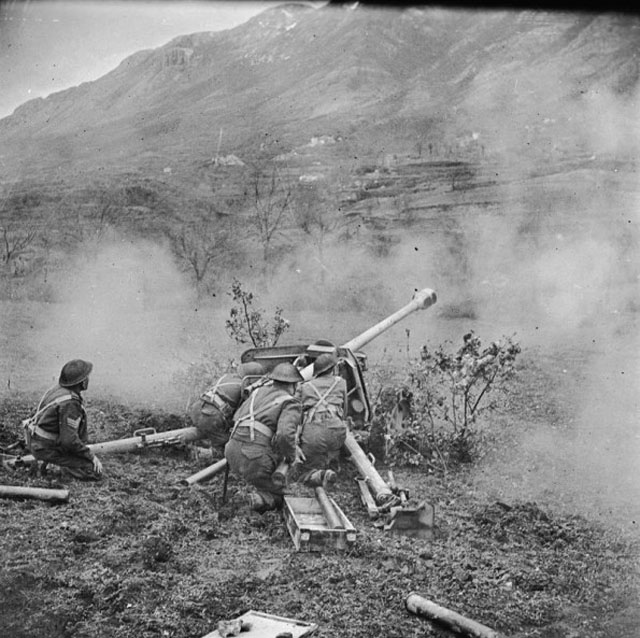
{"type": "Point", "coordinates": [417, 604]}
{"type": "Point", "coordinates": [206, 473]}
{"type": "Point", "coordinates": [331, 516]}
{"type": "Point", "coordinates": [380, 490]}
{"type": "Point", "coordinates": [42, 493]}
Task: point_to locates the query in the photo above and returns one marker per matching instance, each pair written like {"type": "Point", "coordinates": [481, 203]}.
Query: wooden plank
{"type": "Point", "coordinates": [367, 499]}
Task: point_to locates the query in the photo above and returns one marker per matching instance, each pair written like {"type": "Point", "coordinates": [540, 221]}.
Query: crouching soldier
{"type": "Point", "coordinates": [213, 412]}
{"type": "Point", "coordinates": [264, 433]}
{"type": "Point", "coordinates": [58, 434]}
{"type": "Point", "coordinates": [322, 432]}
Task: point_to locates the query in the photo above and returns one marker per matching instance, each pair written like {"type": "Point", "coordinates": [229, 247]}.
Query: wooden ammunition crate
{"type": "Point", "coordinates": [309, 529]}
{"type": "Point", "coordinates": [261, 625]}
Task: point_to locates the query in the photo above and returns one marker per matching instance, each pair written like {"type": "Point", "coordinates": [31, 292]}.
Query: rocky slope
{"type": "Point", "coordinates": [379, 76]}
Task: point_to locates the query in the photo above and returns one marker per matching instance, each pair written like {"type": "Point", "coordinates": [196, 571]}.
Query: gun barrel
{"type": "Point", "coordinates": [380, 490]}
{"type": "Point", "coordinates": [422, 299]}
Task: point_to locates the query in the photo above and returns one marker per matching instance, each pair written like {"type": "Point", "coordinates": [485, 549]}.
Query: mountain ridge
{"type": "Point", "coordinates": [294, 71]}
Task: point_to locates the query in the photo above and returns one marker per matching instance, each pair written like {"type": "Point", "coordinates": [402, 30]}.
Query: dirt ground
{"type": "Point", "coordinates": [141, 555]}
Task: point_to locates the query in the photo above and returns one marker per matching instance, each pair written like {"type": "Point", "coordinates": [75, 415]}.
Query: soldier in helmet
{"type": "Point", "coordinates": [59, 435]}
{"type": "Point", "coordinates": [264, 433]}
{"type": "Point", "coordinates": [322, 346]}
{"type": "Point", "coordinates": [322, 432]}
{"type": "Point", "coordinates": [213, 412]}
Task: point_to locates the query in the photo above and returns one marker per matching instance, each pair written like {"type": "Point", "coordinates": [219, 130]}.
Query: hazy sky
{"type": "Point", "coordinates": [50, 45]}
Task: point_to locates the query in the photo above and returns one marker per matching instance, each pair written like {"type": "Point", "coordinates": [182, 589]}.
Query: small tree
{"type": "Point", "coordinates": [248, 324]}
{"type": "Point", "coordinates": [15, 242]}
{"type": "Point", "coordinates": [201, 246]}
{"type": "Point", "coordinates": [270, 200]}
{"type": "Point", "coordinates": [318, 215]}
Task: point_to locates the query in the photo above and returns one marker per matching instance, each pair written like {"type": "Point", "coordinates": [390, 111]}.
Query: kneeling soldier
{"type": "Point", "coordinates": [323, 431]}
{"type": "Point", "coordinates": [264, 433]}
{"type": "Point", "coordinates": [59, 435]}
{"type": "Point", "coordinates": [213, 412]}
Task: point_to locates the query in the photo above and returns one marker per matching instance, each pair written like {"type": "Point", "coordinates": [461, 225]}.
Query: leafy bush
{"type": "Point", "coordinates": [248, 324]}
{"type": "Point", "coordinates": [433, 418]}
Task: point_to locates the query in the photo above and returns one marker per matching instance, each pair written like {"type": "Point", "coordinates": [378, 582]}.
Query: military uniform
{"type": "Point", "coordinates": [60, 434]}
{"type": "Point", "coordinates": [264, 433]}
{"type": "Point", "coordinates": [212, 414]}
{"type": "Point", "coordinates": [323, 431]}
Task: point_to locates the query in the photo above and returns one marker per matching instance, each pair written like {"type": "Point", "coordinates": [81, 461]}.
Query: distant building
{"type": "Point", "coordinates": [310, 179]}
{"type": "Point", "coordinates": [227, 160]}
{"type": "Point", "coordinates": [322, 140]}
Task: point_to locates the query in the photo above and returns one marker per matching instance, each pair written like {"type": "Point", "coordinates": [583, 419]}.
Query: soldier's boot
{"type": "Point", "coordinates": [318, 478]}
{"type": "Point", "coordinates": [261, 504]}
{"type": "Point", "coordinates": [257, 503]}
{"type": "Point", "coordinates": [329, 477]}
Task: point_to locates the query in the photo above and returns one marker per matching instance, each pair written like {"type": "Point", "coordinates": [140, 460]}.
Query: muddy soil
{"type": "Point", "coordinates": [141, 555]}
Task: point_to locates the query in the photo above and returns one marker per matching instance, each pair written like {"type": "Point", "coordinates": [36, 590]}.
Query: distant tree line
{"type": "Point", "coordinates": [213, 235]}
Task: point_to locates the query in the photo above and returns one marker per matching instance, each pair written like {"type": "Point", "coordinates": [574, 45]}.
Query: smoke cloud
{"type": "Point", "coordinates": [126, 307]}
{"type": "Point", "coordinates": [551, 256]}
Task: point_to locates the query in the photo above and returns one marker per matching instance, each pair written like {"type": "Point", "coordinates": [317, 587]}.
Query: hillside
{"type": "Point", "coordinates": [381, 78]}
{"type": "Point", "coordinates": [457, 130]}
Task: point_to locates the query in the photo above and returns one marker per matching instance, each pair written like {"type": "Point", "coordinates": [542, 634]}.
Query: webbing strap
{"type": "Point", "coordinates": [257, 426]}
{"type": "Point", "coordinates": [31, 424]}
{"type": "Point", "coordinates": [322, 399]}
{"type": "Point", "coordinates": [214, 399]}
{"type": "Point", "coordinates": [43, 434]}
{"type": "Point", "coordinates": [251, 417]}
{"type": "Point", "coordinates": [62, 399]}
{"type": "Point", "coordinates": [212, 392]}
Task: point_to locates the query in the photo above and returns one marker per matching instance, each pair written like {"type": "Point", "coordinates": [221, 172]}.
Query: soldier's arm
{"type": "Point", "coordinates": [285, 439]}
{"type": "Point", "coordinates": [69, 420]}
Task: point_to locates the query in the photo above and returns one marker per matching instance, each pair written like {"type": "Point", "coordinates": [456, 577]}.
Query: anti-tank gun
{"type": "Point", "coordinates": [384, 500]}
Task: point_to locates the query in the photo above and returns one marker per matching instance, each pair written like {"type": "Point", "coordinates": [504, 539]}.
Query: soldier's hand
{"type": "Point", "coordinates": [97, 465]}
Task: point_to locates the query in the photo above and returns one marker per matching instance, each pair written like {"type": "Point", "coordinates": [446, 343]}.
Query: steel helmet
{"type": "Point", "coordinates": [250, 369]}
{"type": "Point", "coordinates": [74, 372]}
{"type": "Point", "coordinates": [285, 372]}
{"type": "Point", "coordinates": [323, 363]}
